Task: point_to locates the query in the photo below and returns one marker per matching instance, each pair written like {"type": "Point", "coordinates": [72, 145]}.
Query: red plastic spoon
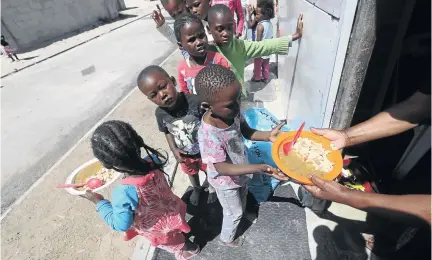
{"type": "Point", "coordinates": [288, 145]}
{"type": "Point", "coordinates": [92, 183]}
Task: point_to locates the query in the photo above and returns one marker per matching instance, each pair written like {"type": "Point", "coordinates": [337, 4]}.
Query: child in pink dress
{"type": "Point", "coordinates": [143, 204]}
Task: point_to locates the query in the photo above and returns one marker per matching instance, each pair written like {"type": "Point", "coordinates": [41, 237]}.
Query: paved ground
{"type": "Point", "coordinates": [48, 107]}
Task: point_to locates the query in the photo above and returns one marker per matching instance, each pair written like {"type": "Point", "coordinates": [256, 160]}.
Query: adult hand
{"type": "Point", "coordinates": [158, 17]}
{"type": "Point", "coordinates": [276, 131]}
{"type": "Point", "coordinates": [178, 154]}
{"type": "Point", "coordinates": [92, 196]}
{"type": "Point", "coordinates": [274, 172]}
{"type": "Point", "coordinates": [337, 137]}
{"type": "Point", "coordinates": [327, 190]}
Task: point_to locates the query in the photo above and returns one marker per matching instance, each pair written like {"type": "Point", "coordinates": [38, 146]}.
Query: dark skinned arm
{"type": "Point", "coordinates": [229, 169]}
{"type": "Point", "coordinates": [253, 134]}
{"type": "Point", "coordinates": [260, 31]}
{"type": "Point", "coordinates": [172, 145]}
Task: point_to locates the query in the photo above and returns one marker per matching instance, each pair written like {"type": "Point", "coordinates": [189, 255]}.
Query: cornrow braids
{"type": "Point", "coordinates": [217, 9]}
{"type": "Point", "coordinates": [117, 145]}
{"type": "Point", "coordinates": [211, 80]}
{"type": "Point", "coordinates": [182, 20]}
{"type": "Point", "coordinates": [148, 70]}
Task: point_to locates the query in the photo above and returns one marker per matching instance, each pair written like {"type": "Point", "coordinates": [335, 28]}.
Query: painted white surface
{"type": "Point", "coordinates": [306, 72]}
{"type": "Point", "coordinates": [35, 21]}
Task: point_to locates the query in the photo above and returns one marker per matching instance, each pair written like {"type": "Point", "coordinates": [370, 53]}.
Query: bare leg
{"type": "Point", "coordinates": [10, 56]}
{"type": "Point", "coordinates": [194, 198]}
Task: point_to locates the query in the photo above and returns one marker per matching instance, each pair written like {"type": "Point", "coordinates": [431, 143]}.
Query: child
{"type": "Point", "coordinates": [264, 30]}
{"type": "Point", "coordinates": [178, 116]}
{"type": "Point", "coordinates": [236, 7]}
{"type": "Point", "coordinates": [200, 9]}
{"type": "Point", "coordinates": [192, 38]}
{"type": "Point", "coordinates": [222, 148]}
{"type": "Point", "coordinates": [237, 52]}
{"type": "Point", "coordinates": [174, 8]}
{"type": "Point", "coordinates": [143, 203]}
{"type": "Point", "coordinates": [8, 50]}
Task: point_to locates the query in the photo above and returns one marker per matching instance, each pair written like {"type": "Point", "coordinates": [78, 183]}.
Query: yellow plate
{"type": "Point", "coordinates": [334, 156]}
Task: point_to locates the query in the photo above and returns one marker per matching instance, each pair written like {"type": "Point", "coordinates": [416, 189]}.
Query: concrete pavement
{"type": "Point", "coordinates": [46, 109]}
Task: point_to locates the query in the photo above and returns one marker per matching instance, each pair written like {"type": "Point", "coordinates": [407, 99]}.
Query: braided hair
{"type": "Point", "coordinates": [212, 80]}
{"type": "Point", "coordinates": [182, 20]}
{"type": "Point", "coordinates": [267, 9]}
{"type": "Point", "coordinates": [117, 145]}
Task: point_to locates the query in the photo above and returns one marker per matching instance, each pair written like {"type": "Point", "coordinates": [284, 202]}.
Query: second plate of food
{"type": "Point", "coordinates": [311, 154]}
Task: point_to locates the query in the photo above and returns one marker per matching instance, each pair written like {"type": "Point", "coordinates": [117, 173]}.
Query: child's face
{"type": "Point", "coordinates": [226, 104]}
{"type": "Point", "coordinates": [199, 7]}
{"type": "Point", "coordinates": [160, 89]}
{"type": "Point", "coordinates": [194, 39]}
{"type": "Point", "coordinates": [174, 7]}
{"type": "Point", "coordinates": [259, 14]}
{"type": "Point", "coordinates": [222, 28]}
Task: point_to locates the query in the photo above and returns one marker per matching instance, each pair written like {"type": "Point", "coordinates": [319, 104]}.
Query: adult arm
{"type": "Point", "coordinates": [413, 209]}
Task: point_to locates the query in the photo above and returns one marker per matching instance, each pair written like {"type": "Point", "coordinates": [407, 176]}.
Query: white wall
{"type": "Point", "coordinates": [32, 22]}
{"type": "Point", "coordinates": [306, 73]}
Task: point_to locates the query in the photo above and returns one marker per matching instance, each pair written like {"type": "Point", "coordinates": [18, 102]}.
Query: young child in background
{"type": "Point", "coordinates": [174, 8]}
{"type": "Point", "coordinates": [222, 148]}
{"type": "Point", "coordinates": [263, 31]}
{"type": "Point", "coordinates": [178, 116]}
{"type": "Point", "coordinates": [200, 9]}
{"type": "Point", "coordinates": [191, 36]}
{"type": "Point", "coordinates": [236, 51]}
{"type": "Point", "coordinates": [8, 50]}
{"type": "Point", "coordinates": [236, 7]}
{"type": "Point", "coordinates": [143, 203]}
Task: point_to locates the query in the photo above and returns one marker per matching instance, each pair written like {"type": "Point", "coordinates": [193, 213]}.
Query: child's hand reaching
{"type": "Point", "coordinates": [250, 9]}
{"type": "Point", "coordinates": [158, 17]}
{"type": "Point", "coordinates": [276, 131]}
{"type": "Point", "coordinates": [299, 30]}
{"type": "Point", "coordinates": [274, 172]}
{"type": "Point", "coordinates": [93, 197]}
{"type": "Point", "coordinates": [178, 154]}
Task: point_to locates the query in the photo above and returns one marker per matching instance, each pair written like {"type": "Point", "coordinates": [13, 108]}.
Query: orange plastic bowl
{"type": "Point", "coordinates": [334, 156]}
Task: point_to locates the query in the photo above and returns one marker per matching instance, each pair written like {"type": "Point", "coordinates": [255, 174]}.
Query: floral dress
{"type": "Point", "coordinates": [160, 215]}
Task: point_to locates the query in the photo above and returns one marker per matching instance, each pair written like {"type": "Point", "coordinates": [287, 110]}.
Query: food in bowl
{"type": "Point", "coordinates": [103, 174]}
{"type": "Point", "coordinates": [307, 157]}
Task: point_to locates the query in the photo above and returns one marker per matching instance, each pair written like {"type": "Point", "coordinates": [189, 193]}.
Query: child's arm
{"type": "Point", "coordinates": [172, 145]}
{"type": "Point", "coordinates": [181, 79]}
{"type": "Point", "coordinates": [273, 46]}
{"type": "Point", "coordinates": [255, 135]}
{"type": "Point", "coordinates": [240, 17]}
{"type": "Point", "coordinates": [229, 169]}
{"type": "Point", "coordinates": [119, 214]}
{"type": "Point", "coordinates": [260, 31]}
{"type": "Point", "coordinates": [251, 22]}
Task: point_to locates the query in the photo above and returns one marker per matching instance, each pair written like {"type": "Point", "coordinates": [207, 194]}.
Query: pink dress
{"type": "Point", "coordinates": [160, 216]}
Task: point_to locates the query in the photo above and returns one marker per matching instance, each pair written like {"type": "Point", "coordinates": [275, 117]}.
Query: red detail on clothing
{"type": "Point", "coordinates": [261, 69]}
{"type": "Point", "coordinates": [192, 166]}
{"type": "Point", "coordinates": [236, 8]}
{"type": "Point", "coordinates": [160, 215]}
{"type": "Point", "coordinates": [185, 72]}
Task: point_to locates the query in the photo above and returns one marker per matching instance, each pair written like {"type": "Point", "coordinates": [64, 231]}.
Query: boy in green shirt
{"type": "Point", "coordinates": [237, 52]}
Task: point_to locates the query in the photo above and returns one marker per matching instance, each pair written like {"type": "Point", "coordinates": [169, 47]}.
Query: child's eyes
{"type": "Point", "coordinates": [192, 39]}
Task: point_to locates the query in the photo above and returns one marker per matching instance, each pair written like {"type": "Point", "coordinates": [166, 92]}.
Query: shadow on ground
{"type": "Point", "coordinates": [279, 230]}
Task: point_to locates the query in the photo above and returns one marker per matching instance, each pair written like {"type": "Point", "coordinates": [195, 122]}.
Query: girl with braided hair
{"type": "Point", "coordinates": [143, 204]}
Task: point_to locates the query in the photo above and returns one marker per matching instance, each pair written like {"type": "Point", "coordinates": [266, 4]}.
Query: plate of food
{"type": "Point", "coordinates": [311, 154]}
{"type": "Point", "coordinates": [91, 169]}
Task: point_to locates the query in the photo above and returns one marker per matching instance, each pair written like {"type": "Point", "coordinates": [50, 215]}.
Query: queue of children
{"type": "Point", "coordinates": [203, 126]}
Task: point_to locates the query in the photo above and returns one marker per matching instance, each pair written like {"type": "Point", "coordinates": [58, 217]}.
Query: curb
{"type": "Point", "coordinates": [74, 46]}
